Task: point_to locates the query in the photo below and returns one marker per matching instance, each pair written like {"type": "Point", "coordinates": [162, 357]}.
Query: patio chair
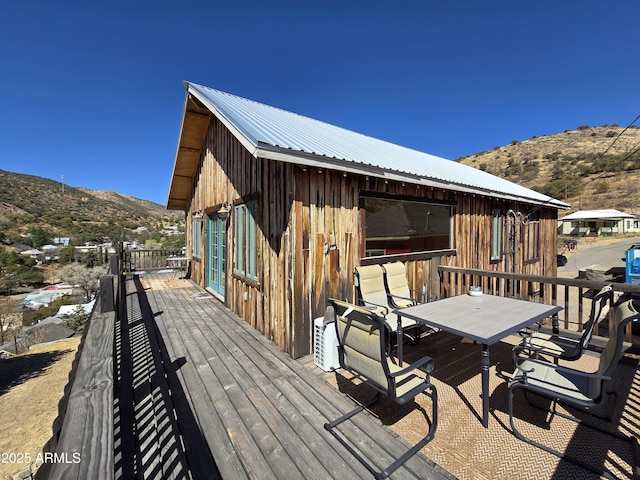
{"type": "Point", "coordinates": [397, 285]}
{"type": "Point", "coordinates": [574, 388]}
{"type": "Point", "coordinates": [362, 351]}
{"type": "Point", "coordinates": [372, 294]}
{"type": "Point", "coordinates": [564, 346]}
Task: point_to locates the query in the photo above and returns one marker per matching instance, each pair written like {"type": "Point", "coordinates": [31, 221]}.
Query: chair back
{"type": "Point", "coordinates": [361, 342]}
{"type": "Point", "coordinates": [610, 356]}
{"type": "Point", "coordinates": [370, 286]}
{"type": "Point", "coordinates": [398, 284]}
{"type": "Point", "coordinates": [597, 305]}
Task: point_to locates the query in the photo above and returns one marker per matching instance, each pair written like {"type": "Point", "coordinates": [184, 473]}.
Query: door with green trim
{"type": "Point", "coordinates": [216, 253]}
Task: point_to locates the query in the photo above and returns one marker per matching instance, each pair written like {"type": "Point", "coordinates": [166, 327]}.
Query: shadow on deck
{"type": "Point", "coordinates": [156, 433]}
{"type": "Point", "coordinates": [200, 394]}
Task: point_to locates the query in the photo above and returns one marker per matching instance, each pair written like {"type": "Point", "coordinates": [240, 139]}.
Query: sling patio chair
{"type": "Point", "coordinates": [564, 346]}
{"type": "Point", "coordinates": [362, 352]}
{"type": "Point", "coordinates": [589, 392]}
{"type": "Point", "coordinates": [372, 294]}
{"type": "Point", "coordinates": [397, 285]}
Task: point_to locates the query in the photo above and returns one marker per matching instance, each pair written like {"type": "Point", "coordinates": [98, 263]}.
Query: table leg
{"type": "Point", "coordinates": [399, 341]}
{"type": "Point", "coordinates": [555, 324]}
{"type": "Point", "coordinates": [484, 361]}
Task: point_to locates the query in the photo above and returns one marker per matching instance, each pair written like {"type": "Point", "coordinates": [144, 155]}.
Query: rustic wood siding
{"type": "Point", "coordinates": [310, 238]}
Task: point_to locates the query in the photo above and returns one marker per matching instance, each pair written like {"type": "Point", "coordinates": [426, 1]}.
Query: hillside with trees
{"type": "Point", "coordinates": [35, 210]}
{"type": "Point", "coordinates": [588, 168]}
{"type": "Point", "coordinates": [32, 208]}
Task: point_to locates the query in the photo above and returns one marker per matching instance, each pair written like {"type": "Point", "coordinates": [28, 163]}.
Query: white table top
{"type": "Point", "coordinates": [486, 319]}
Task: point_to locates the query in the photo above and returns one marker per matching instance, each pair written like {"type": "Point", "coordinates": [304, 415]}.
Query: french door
{"type": "Point", "coordinates": [216, 253]}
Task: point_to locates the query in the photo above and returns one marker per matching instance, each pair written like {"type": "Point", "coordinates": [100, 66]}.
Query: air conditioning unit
{"type": "Point", "coordinates": [325, 343]}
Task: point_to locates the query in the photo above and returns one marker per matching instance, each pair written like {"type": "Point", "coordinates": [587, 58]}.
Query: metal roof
{"type": "Point", "coordinates": [596, 214]}
{"type": "Point", "coordinates": [273, 133]}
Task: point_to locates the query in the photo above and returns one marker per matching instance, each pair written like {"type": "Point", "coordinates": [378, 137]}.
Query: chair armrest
{"type": "Point", "coordinates": [415, 365]}
{"type": "Point", "coordinates": [413, 300]}
{"type": "Point", "coordinates": [535, 350]}
{"type": "Point", "coordinates": [367, 303]}
{"type": "Point", "coordinates": [558, 340]}
{"type": "Point", "coordinates": [572, 371]}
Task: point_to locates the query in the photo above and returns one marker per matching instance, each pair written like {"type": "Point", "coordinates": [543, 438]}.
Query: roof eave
{"type": "Point", "coordinates": [193, 129]}
{"type": "Point", "coordinates": [312, 160]}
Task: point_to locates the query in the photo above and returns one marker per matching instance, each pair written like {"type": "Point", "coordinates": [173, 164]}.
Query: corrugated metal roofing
{"type": "Point", "coordinates": [275, 133]}
{"type": "Point", "coordinates": [596, 214]}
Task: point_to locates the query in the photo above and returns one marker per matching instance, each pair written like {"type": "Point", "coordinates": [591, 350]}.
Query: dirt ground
{"type": "Point", "coordinates": [31, 385]}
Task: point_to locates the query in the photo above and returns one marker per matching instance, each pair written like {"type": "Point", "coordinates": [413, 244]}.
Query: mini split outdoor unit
{"type": "Point", "coordinates": [325, 342]}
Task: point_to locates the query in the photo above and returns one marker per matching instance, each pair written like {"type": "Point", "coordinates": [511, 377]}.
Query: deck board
{"type": "Point", "coordinates": [261, 414]}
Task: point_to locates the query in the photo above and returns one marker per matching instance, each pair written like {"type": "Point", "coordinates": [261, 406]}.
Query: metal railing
{"type": "Point", "coordinates": [148, 259]}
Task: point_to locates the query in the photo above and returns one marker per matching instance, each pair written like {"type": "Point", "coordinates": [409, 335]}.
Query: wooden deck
{"type": "Point", "coordinates": [201, 394]}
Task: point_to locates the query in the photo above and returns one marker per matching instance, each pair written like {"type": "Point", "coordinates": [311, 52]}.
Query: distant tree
{"type": "Point", "coordinates": [152, 244]}
{"type": "Point", "coordinates": [16, 270]}
{"type": "Point", "coordinates": [174, 241]}
{"type": "Point", "coordinates": [25, 275]}
{"type": "Point", "coordinates": [530, 171]}
{"type": "Point", "coordinates": [603, 187]}
{"type": "Point", "coordinates": [40, 236]}
{"type": "Point", "coordinates": [82, 277]}
{"type": "Point", "coordinates": [76, 320]}
{"type": "Point", "coordinates": [564, 187]}
{"type": "Point", "coordinates": [10, 321]}
{"type": "Point", "coordinates": [92, 259]}
{"type": "Point", "coordinates": [67, 255]}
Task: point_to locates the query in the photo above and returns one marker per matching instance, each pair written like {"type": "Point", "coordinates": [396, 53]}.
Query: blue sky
{"type": "Point", "coordinates": [93, 90]}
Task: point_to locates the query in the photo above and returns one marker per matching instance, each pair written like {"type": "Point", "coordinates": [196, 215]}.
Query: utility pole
{"type": "Point", "coordinates": [62, 178]}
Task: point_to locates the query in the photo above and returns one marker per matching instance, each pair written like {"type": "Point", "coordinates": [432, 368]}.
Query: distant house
{"type": "Point", "coordinates": [280, 208]}
{"type": "Point", "coordinates": [596, 223]}
{"type": "Point", "coordinates": [64, 241]}
{"type": "Point", "coordinates": [32, 253]}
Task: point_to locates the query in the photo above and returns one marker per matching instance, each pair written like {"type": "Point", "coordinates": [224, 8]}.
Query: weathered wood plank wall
{"type": "Point", "coordinates": [310, 236]}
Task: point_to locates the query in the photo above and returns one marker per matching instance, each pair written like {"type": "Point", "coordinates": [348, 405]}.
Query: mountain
{"type": "Point", "coordinates": [588, 168]}
{"type": "Point", "coordinates": [28, 202]}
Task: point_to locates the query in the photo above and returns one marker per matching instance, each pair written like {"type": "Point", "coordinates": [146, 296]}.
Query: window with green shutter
{"type": "Point", "coordinates": [245, 259]}
{"type": "Point", "coordinates": [196, 246]}
{"type": "Point", "coordinates": [496, 234]}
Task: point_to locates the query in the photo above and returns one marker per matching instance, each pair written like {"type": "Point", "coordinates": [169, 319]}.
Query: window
{"type": "Point", "coordinates": [245, 262]}
{"type": "Point", "coordinates": [396, 226]}
{"type": "Point", "coordinates": [496, 234]}
{"type": "Point", "coordinates": [196, 246]}
{"type": "Point", "coordinates": [531, 240]}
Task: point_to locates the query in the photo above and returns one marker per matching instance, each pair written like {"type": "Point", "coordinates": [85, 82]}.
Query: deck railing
{"type": "Point", "coordinates": [571, 294]}
{"type": "Point", "coordinates": [82, 445]}
{"type": "Point", "coordinates": [149, 259]}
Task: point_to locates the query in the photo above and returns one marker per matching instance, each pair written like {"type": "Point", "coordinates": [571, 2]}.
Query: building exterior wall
{"type": "Point", "coordinates": [310, 238]}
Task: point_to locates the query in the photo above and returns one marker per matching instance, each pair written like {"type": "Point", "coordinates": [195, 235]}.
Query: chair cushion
{"type": "Point", "coordinates": [552, 345]}
{"type": "Point", "coordinates": [397, 279]}
{"type": "Point", "coordinates": [392, 322]}
{"type": "Point", "coordinates": [407, 382]}
{"type": "Point", "coordinates": [544, 377]}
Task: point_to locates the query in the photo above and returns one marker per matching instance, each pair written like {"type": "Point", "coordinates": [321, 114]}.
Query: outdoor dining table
{"type": "Point", "coordinates": [485, 319]}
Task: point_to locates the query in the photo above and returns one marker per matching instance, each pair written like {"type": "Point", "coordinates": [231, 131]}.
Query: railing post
{"type": "Point", "coordinates": [107, 294]}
